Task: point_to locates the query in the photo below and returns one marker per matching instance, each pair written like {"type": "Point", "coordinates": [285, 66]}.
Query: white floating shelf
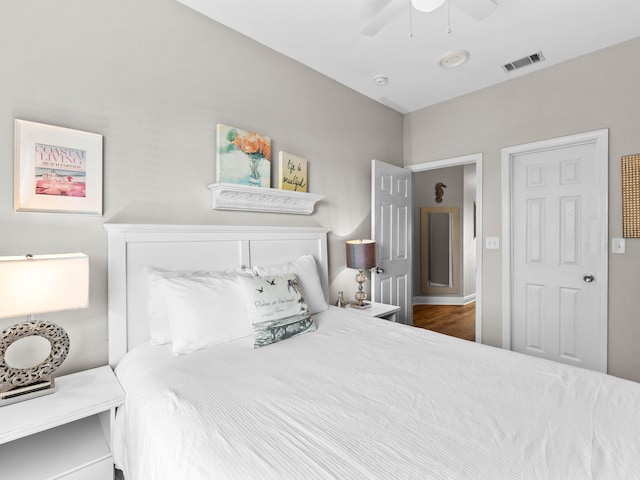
{"type": "Point", "coordinates": [227, 196]}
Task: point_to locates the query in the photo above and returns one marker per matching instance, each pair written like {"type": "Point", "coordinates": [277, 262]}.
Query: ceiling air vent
{"type": "Point", "coordinates": [523, 62]}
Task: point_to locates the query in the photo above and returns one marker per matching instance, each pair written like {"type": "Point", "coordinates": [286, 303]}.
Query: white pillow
{"type": "Point", "coordinates": [157, 317]}
{"type": "Point", "coordinates": [204, 311]}
{"type": "Point", "coordinates": [306, 270]}
{"type": "Point", "coordinates": [276, 308]}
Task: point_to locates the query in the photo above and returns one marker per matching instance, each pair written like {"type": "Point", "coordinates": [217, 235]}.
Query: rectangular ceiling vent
{"type": "Point", "coordinates": [523, 62]}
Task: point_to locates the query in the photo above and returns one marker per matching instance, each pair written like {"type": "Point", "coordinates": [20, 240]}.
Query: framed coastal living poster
{"type": "Point", "coordinates": [293, 172]}
{"type": "Point", "coordinates": [242, 157]}
{"type": "Point", "coordinates": [57, 170]}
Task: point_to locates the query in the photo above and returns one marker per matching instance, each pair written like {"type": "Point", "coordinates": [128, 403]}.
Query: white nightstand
{"type": "Point", "coordinates": [380, 310]}
{"type": "Point", "coordinates": [65, 435]}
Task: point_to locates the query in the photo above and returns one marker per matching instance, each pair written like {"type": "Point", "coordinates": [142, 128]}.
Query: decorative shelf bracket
{"type": "Point", "coordinates": [227, 196]}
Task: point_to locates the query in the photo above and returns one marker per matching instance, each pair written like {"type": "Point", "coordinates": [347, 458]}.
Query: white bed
{"type": "Point", "coordinates": [358, 398]}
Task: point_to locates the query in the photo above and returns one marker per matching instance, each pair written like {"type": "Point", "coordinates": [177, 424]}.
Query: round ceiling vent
{"type": "Point", "coordinates": [380, 80]}
{"type": "Point", "coordinates": [453, 59]}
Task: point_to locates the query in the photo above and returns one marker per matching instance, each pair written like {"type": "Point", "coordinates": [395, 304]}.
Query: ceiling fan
{"type": "Point", "coordinates": [388, 9]}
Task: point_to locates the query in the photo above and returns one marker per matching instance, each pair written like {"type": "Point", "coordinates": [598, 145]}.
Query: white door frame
{"type": "Point", "coordinates": [601, 139]}
{"type": "Point", "coordinates": [474, 158]}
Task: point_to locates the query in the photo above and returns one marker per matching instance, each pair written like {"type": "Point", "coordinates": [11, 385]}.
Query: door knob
{"type": "Point", "coordinates": [588, 278]}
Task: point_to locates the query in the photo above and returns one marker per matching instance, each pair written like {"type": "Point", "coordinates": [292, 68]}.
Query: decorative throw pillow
{"type": "Point", "coordinates": [158, 318]}
{"type": "Point", "coordinates": [276, 307]}
{"type": "Point", "coordinates": [204, 311]}
{"type": "Point", "coordinates": [306, 270]}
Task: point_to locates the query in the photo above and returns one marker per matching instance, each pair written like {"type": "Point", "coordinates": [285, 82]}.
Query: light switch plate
{"type": "Point", "coordinates": [618, 245]}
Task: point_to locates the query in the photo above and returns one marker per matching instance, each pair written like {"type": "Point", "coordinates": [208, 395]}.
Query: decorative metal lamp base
{"type": "Point", "coordinates": [18, 384]}
{"type": "Point", "coordinates": [361, 295]}
{"type": "Point", "coordinates": [361, 307]}
{"type": "Point", "coordinates": [26, 392]}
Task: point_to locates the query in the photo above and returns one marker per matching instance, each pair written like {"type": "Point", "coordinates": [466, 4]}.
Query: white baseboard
{"type": "Point", "coordinates": [431, 300]}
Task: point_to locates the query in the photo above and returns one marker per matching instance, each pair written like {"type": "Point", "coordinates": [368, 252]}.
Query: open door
{"type": "Point", "coordinates": [391, 224]}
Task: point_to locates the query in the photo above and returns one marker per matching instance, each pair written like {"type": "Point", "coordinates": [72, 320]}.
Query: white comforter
{"type": "Point", "coordinates": [362, 398]}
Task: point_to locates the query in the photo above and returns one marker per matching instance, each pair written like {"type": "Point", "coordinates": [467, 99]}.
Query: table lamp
{"type": "Point", "coordinates": [30, 285]}
{"type": "Point", "coordinates": [361, 255]}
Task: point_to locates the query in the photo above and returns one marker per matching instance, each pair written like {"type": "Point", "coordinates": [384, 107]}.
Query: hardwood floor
{"type": "Point", "coordinates": [455, 320]}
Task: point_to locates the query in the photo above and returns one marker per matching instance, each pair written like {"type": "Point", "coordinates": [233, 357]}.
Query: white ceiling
{"type": "Point", "coordinates": [326, 36]}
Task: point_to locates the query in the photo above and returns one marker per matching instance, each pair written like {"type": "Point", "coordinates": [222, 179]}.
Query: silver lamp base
{"type": "Point", "coordinates": [27, 392]}
{"type": "Point", "coordinates": [13, 381]}
{"type": "Point", "coordinates": [359, 306]}
{"type": "Point", "coordinates": [360, 295]}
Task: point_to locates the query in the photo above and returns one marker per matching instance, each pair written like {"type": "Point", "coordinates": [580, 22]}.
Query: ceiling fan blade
{"type": "Point", "coordinates": [476, 9]}
{"type": "Point", "coordinates": [375, 5]}
{"type": "Point", "coordinates": [383, 17]}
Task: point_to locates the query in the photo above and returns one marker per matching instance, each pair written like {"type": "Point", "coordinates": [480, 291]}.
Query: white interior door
{"type": "Point", "coordinates": [558, 249]}
{"type": "Point", "coordinates": [391, 223]}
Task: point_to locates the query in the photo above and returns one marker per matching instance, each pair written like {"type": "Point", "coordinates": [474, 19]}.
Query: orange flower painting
{"type": "Point", "coordinates": [243, 157]}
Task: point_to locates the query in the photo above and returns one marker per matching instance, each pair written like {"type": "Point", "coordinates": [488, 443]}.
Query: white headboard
{"type": "Point", "coordinates": [191, 247]}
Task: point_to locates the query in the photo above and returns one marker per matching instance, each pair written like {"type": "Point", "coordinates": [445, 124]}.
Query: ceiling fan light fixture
{"type": "Point", "coordinates": [427, 5]}
{"type": "Point", "coordinates": [453, 59]}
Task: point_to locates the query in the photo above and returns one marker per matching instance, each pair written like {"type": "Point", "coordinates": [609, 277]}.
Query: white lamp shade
{"type": "Point", "coordinates": [43, 283]}
{"type": "Point", "coordinates": [426, 5]}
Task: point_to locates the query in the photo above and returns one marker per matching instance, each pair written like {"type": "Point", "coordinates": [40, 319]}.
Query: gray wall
{"type": "Point", "coordinates": [593, 92]}
{"type": "Point", "coordinates": [154, 78]}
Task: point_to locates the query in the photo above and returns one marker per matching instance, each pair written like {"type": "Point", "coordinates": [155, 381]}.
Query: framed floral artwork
{"type": "Point", "coordinates": [57, 170]}
{"type": "Point", "coordinates": [242, 157]}
{"type": "Point", "coordinates": [293, 173]}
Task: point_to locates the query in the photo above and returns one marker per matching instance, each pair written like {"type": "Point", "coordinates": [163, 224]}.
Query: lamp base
{"type": "Point", "coordinates": [27, 392]}
{"type": "Point", "coordinates": [360, 307]}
